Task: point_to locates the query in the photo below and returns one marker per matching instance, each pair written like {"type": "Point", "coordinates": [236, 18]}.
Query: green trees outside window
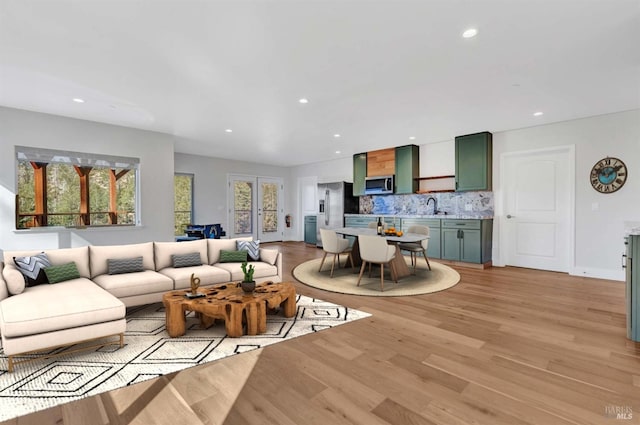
{"type": "Point", "coordinates": [71, 190]}
{"type": "Point", "coordinates": [183, 202]}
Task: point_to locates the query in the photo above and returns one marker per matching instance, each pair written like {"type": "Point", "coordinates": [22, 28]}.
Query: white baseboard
{"type": "Point", "coordinates": [598, 273]}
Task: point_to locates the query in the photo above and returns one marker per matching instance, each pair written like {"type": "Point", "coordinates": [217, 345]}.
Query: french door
{"type": "Point", "coordinates": [256, 207]}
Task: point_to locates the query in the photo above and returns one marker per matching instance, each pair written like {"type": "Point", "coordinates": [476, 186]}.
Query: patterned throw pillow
{"type": "Point", "coordinates": [186, 260]}
{"type": "Point", "coordinates": [124, 265]}
{"type": "Point", "coordinates": [252, 248]}
{"type": "Point", "coordinates": [62, 272]}
{"type": "Point", "coordinates": [32, 268]}
{"type": "Point", "coordinates": [232, 256]}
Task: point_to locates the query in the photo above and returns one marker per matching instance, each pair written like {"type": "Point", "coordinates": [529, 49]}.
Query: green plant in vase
{"type": "Point", "coordinates": [248, 284]}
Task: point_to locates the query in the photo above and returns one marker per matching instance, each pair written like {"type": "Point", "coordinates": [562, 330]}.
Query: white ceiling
{"type": "Point", "coordinates": [376, 72]}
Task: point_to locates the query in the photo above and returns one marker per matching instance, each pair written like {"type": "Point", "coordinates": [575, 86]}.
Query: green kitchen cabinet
{"type": "Point", "coordinates": [466, 240]}
{"type": "Point", "coordinates": [310, 229]}
{"type": "Point", "coordinates": [632, 286]}
{"type": "Point", "coordinates": [407, 169]}
{"type": "Point", "coordinates": [359, 173]}
{"type": "Point", "coordinates": [473, 157]}
{"type": "Point", "coordinates": [433, 249]}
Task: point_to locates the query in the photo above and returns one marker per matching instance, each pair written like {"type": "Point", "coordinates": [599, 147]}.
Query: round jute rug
{"type": "Point", "coordinates": [344, 280]}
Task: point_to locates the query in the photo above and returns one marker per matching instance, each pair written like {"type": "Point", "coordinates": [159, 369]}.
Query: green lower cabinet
{"type": "Point", "coordinates": [450, 244]}
{"type": "Point", "coordinates": [470, 246]}
{"type": "Point", "coordinates": [310, 223]}
{"type": "Point", "coordinates": [433, 249]}
{"type": "Point", "coordinates": [467, 240]}
{"type": "Point", "coordinates": [633, 287]}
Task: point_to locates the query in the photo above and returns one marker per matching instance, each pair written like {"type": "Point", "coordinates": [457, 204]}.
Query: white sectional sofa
{"type": "Point", "coordinates": [92, 305]}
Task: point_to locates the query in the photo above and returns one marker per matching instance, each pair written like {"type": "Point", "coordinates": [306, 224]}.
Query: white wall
{"type": "Point", "coordinates": [155, 151]}
{"type": "Point", "coordinates": [324, 172]}
{"type": "Point", "coordinates": [210, 185]}
{"type": "Point", "coordinates": [599, 232]}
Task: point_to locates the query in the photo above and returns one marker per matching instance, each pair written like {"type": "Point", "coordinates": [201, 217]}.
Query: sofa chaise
{"type": "Point", "coordinates": [91, 303]}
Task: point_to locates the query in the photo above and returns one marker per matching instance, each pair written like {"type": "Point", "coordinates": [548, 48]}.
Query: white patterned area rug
{"type": "Point", "coordinates": [149, 352]}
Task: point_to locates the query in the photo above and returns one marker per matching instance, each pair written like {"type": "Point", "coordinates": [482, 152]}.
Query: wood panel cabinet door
{"type": "Point", "coordinates": [473, 161]}
{"type": "Point", "coordinates": [381, 162]}
{"type": "Point", "coordinates": [407, 169]}
{"type": "Point", "coordinates": [359, 173]}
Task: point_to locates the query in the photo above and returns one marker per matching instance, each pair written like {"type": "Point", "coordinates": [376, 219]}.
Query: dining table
{"type": "Point", "coordinates": [401, 268]}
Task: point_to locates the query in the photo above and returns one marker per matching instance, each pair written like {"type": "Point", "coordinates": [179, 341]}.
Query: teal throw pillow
{"type": "Point", "coordinates": [233, 256]}
{"type": "Point", "coordinates": [62, 272]}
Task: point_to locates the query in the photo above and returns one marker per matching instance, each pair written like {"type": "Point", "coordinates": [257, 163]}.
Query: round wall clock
{"type": "Point", "coordinates": [608, 175]}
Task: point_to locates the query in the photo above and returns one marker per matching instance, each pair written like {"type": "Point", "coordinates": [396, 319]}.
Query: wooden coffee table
{"type": "Point", "coordinates": [229, 303]}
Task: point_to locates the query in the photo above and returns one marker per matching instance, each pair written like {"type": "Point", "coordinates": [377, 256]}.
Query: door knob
{"type": "Point", "coordinates": [511, 216]}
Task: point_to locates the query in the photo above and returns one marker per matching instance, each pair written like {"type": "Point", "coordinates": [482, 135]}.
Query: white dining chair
{"type": "Point", "coordinates": [416, 248]}
{"type": "Point", "coordinates": [376, 250]}
{"type": "Point", "coordinates": [332, 244]}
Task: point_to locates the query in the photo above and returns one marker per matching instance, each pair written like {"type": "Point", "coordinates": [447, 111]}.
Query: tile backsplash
{"type": "Point", "coordinates": [456, 203]}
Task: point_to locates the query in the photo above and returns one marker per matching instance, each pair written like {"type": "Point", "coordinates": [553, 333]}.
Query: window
{"type": "Point", "coordinates": [183, 202]}
{"type": "Point", "coordinates": [72, 189]}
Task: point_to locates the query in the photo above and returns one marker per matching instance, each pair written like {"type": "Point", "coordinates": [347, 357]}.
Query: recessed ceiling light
{"type": "Point", "coordinates": [78, 100]}
{"type": "Point", "coordinates": [336, 135]}
{"type": "Point", "coordinates": [537, 114]}
{"type": "Point", "coordinates": [471, 32]}
{"type": "Point", "coordinates": [303, 100]}
{"type": "Point", "coordinates": [228, 130]}
{"type": "Point", "coordinates": [412, 137]}
{"type": "Point", "coordinates": [338, 152]}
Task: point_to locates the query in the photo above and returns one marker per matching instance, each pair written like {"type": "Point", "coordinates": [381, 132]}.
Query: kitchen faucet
{"type": "Point", "coordinates": [435, 204]}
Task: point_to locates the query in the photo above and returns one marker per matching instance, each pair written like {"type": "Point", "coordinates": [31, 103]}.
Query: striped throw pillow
{"type": "Point", "coordinates": [186, 260]}
{"type": "Point", "coordinates": [233, 256]}
{"type": "Point", "coordinates": [124, 265]}
{"type": "Point", "coordinates": [32, 268]}
{"type": "Point", "coordinates": [62, 272]}
{"type": "Point", "coordinates": [252, 248]}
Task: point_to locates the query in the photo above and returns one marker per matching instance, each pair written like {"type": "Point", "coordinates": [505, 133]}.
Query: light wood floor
{"type": "Point", "coordinates": [505, 346]}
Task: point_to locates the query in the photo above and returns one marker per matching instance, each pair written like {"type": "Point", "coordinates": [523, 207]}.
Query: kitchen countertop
{"type": "Point", "coordinates": [440, 216]}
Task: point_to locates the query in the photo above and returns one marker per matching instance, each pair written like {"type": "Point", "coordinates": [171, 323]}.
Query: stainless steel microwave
{"type": "Point", "coordinates": [379, 185]}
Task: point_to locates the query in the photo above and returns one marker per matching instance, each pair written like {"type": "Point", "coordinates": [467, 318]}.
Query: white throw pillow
{"type": "Point", "coordinates": [269, 255]}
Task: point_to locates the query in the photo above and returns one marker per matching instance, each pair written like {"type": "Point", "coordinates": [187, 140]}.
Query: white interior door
{"type": "Point", "coordinates": [538, 208]}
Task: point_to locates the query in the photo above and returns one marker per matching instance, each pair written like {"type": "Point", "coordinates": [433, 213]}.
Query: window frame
{"type": "Point", "coordinates": [82, 162]}
{"type": "Point", "coordinates": [191, 211]}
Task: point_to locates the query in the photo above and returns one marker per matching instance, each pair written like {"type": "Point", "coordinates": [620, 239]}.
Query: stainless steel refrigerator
{"type": "Point", "coordinates": [334, 201]}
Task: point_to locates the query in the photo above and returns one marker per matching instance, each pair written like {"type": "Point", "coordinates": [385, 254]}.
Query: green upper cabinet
{"type": "Point", "coordinates": [359, 173]}
{"type": "Point", "coordinates": [473, 161]}
{"type": "Point", "coordinates": [407, 169]}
